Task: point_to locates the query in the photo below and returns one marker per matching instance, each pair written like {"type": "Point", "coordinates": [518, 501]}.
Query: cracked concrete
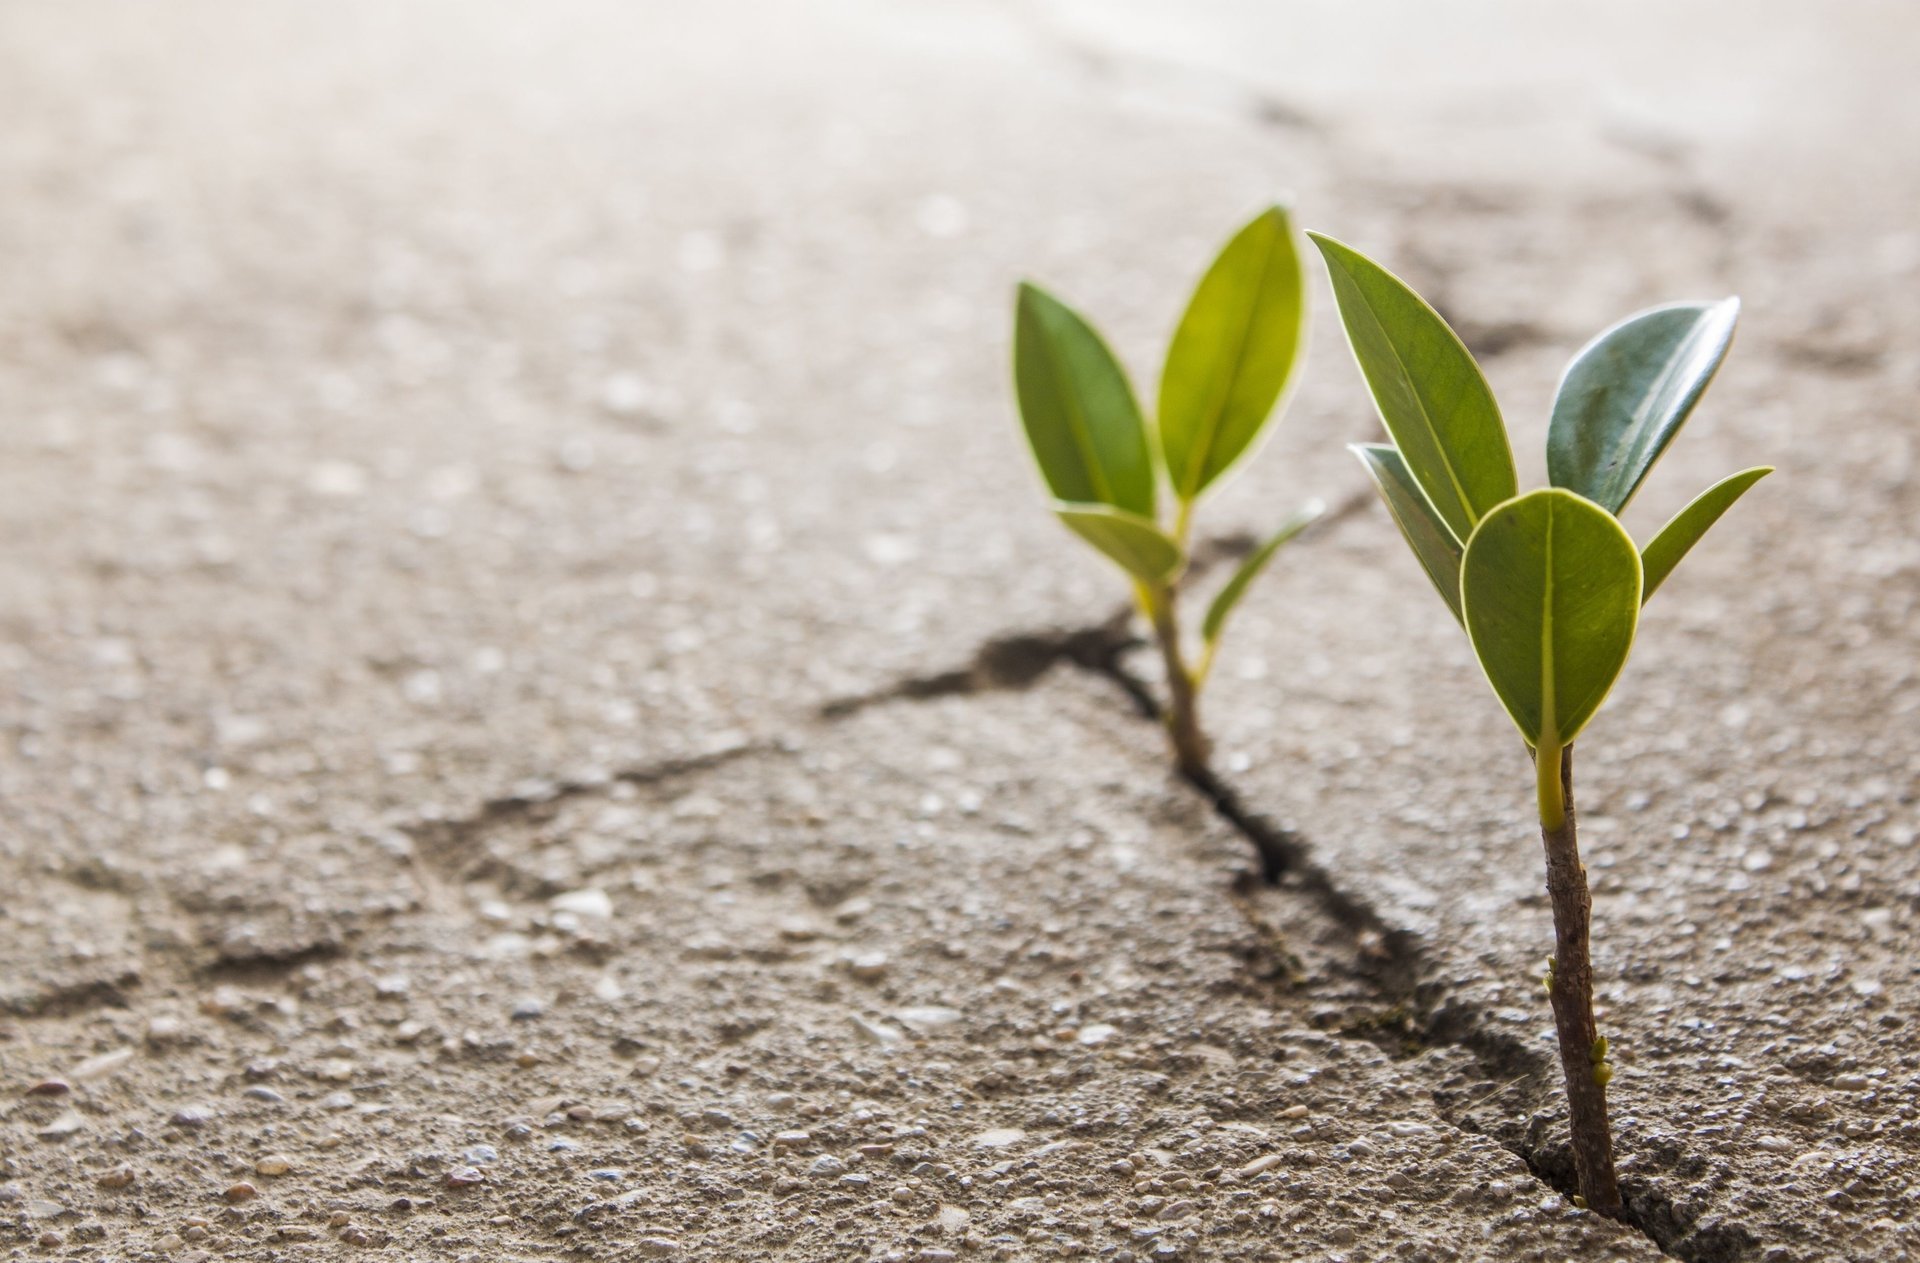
{"type": "Point", "coordinates": [543, 715]}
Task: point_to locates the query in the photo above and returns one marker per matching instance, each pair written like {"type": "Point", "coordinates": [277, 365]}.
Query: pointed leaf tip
{"type": "Point", "coordinates": [1677, 538]}
{"type": "Point", "coordinates": [1236, 587]}
{"type": "Point", "coordinates": [1626, 394]}
{"type": "Point", "coordinates": [1081, 420]}
{"type": "Point", "coordinates": [1430, 393]}
{"type": "Point", "coordinates": [1434, 544]}
{"type": "Point", "coordinates": [1233, 354]}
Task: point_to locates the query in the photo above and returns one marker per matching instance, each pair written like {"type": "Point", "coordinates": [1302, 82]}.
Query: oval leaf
{"type": "Point", "coordinates": [1081, 418]}
{"type": "Point", "coordinates": [1627, 393]}
{"type": "Point", "coordinates": [1233, 354]}
{"type": "Point", "coordinates": [1236, 587]}
{"type": "Point", "coordinates": [1664, 551]}
{"type": "Point", "coordinates": [1550, 585]}
{"type": "Point", "coordinates": [1142, 548]}
{"type": "Point", "coordinates": [1431, 541]}
{"type": "Point", "coordinates": [1430, 393]}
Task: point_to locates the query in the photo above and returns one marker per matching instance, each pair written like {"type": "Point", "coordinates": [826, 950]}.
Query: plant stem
{"type": "Point", "coordinates": [1571, 984]}
{"type": "Point", "coordinates": [1190, 750]}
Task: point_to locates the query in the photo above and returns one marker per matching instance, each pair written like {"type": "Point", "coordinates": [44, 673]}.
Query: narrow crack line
{"type": "Point", "coordinates": [1014, 660]}
{"type": "Point", "coordinates": [448, 844]}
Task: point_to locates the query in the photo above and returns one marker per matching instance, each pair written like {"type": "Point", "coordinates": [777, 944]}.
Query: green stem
{"type": "Point", "coordinates": [1190, 748]}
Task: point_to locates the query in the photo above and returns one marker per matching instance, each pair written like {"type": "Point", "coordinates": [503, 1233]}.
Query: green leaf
{"type": "Point", "coordinates": [1236, 587]}
{"type": "Point", "coordinates": [1141, 547]}
{"type": "Point", "coordinates": [1081, 419]}
{"type": "Point", "coordinates": [1437, 547]}
{"type": "Point", "coordinates": [1664, 551]}
{"type": "Point", "coordinates": [1550, 584]}
{"type": "Point", "coordinates": [1233, 353]}
{"type": "Point", "coordinates": [1430, 393]}
{"type": "Point", "coordinates": [1627, 393]}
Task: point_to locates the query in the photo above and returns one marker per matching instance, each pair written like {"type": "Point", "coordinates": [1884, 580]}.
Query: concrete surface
{"type": "Point", "coordinates": [451, 454]}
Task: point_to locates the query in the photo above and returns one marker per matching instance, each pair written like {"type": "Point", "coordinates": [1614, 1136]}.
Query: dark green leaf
{"type": "Point", "coordinates": [1431, 395]}
{"type": "Point", "coordinates": [1664, 551]}
{"type": "Point", "coordinates": [1233, 353]}
{"type": "Point", "coordinates": [1628, 392]}
{"type": "Point", "coordinates": [1550, 584]}
{"type": "Point", "coordinates": [1141, 547]}
{"type": "Point", "coordinates": [1431, 541]}
{"type": "Point", "coordinates": [1236, 587]}
{"type": "Point", "coordinates": [1081, 418]}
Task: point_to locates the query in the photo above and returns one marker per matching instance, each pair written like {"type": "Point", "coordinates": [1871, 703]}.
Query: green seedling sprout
{"type": "Point", "coordinates": [1230, 361]}
{"type": "Point", "coordinates": [1548, 585]}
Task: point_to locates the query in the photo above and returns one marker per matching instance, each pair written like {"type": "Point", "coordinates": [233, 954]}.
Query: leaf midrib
{"type": "Point", "coordinates": [1196, 469]}
{"type": "Point", "coordinates": [1629, 444]}
{"type": "Point", "coordinates": [1076, 421]}
{"type": "Point", "coordinates": [1446, 463]}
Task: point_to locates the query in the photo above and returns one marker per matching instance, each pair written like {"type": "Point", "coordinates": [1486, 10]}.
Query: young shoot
{"type": "Point", "coordinates": [1229, 363]}
{"type": "Point", "coordinates": [1548, 585]}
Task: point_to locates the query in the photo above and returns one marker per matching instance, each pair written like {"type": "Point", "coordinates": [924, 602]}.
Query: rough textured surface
{"type": "Point", "coordinates": [450, 455]}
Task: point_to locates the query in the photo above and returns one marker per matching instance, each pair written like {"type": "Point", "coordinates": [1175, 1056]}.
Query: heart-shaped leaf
{"type": "Point", "coordinates": [1430, 393]}
{"type": "Point", "coordinates": [1236, 587]}
{"type": "Point", "coordinates": [1627, 393]}
{"type": "Point", "coordinates": [1233, 353]}
{"type": "Point", "coordinates": [1431, 541]}
{"type": "Point", "coordinates": [1137, 543]}
{"type": "Point", "coordinates": [1664, 551]}
{"type": "Point", "coordinates": [1081, 418]}
{"type": "Point", "coordinates": [1550, 585]}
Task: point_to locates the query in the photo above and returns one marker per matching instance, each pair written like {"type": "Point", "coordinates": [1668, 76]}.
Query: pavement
{"type": "Point", "coordinates": [544, 716]}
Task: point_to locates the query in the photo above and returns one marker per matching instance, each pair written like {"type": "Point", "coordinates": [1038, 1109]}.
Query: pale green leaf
{"type": "Point", "coordinates": [1436, 547]}
{"type": "Point", "coordinates": [1431, 395]}
{"type": "Point", "coordinates": [1080, 415]}
{"type": "Point", "coordinates": [1236, 587]}
{"type": "Point", "coordinates": [1141, 548]}
{"type": "Point", "coordinates": [1550, 586]}
{"type": "Point", "coordinates": [1627, 393]}
{"type": "Point", "coordinates": [1664, 551]}
{"type": "Point", "coordinates": [1233, 353]}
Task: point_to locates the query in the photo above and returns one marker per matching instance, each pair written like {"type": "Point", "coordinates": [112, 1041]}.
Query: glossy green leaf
{"type": "Point", "coordinates": [1436, 546]}
{"type": "Point", "coordinates": [1430, 393]}
{"type": "Point", "coordinates": [1550, 585]}
{"type": "Point", "coordinates": [1141, 547]}
{"type": "Point", "coordinates": [1664, 551]}
{"type": "Point", "coordinates": [1080, 415]}
{"type": "Point", "coordinates": [1233, 353]}
{"type": "Point", "coordinates": [1627, 393]}
{"type": "Point", "coordinates": [1236, 587]}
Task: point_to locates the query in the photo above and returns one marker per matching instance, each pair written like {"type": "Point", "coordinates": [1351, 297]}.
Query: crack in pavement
{"type": "Point", "coordinates": [1393, 960]}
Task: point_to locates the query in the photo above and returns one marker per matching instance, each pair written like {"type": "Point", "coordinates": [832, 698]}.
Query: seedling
{"type": "Point", "coordinates": [1548, 585]}
{"type": "Point", "coordinates": [1229, 363]}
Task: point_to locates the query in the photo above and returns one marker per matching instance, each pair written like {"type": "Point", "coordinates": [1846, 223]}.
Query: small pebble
{"type": "Point", "coordinates": [50, 1087]}
{"type": "Point", "coordinates": [792, 1139]}
{"type": "Point", "coordinates": [273, 1164]}
{"type": "Point", "coordinates": [612, 1175]}
{"type": "Point", "coordinates": [193, 1116]}
{"type": "Point", "coordinates": [869, 966]}
{"type": "Point", "coordinates": [528, 1010]}
{"type": "Point", "coordinates": [242, 1192]}
{"type": "Point", "coordinates": [827, 1164]}
{"type": "Point", "coordinates": [121, 1176]}
{"type": "Point", "coordinates": [465, 1177]}
{"type": "Point", "coordinates": [658, 1247]}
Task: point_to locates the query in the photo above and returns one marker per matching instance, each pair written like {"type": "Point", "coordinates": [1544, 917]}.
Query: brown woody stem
{"type": "Point", "coordinates": [1570, 983]}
